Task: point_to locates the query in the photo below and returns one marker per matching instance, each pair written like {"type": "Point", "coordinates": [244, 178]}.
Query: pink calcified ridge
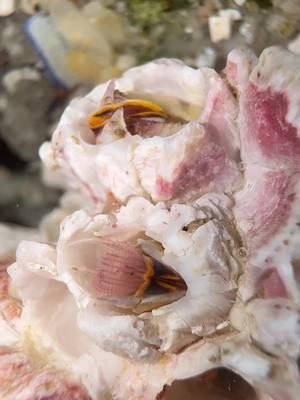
{"type": "Point", "coordinates": [265, 204]}
{"type": "Point", "coordinates": [269, 132]}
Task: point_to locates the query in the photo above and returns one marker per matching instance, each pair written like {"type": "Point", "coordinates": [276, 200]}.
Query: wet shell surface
{"type": "Point", "coordinates": [171, 268]}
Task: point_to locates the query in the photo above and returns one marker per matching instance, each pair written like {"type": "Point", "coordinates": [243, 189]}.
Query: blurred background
{"type": "Point", "coordinates": [54, 50]}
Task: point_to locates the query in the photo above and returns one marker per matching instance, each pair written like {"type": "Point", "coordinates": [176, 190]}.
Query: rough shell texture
{"type": "Point", "coordinates": [217, 201]}
{"type": "Point", "coordinates": [161, 167]}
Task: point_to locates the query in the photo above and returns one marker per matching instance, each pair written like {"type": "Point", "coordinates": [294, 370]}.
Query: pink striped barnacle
{"type": "Point", "coordinates": [124, 275]}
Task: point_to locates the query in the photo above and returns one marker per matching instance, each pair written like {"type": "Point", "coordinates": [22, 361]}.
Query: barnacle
{"type": "Point", "coordinates": [193, 266]}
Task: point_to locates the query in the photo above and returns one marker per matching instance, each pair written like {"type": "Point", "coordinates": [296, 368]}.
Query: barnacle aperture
{"type": "Point", "coordinates": [125, 275]}
{"type": "Point", "coordinates": [133, 108]}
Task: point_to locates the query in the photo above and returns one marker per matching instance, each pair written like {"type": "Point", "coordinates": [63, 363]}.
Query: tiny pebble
{"type": "Point", "coordinates": [11, 79]}
{"type": "Point", "coordinates": [7, 7]}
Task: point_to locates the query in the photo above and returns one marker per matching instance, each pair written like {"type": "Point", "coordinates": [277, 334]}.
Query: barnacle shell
{"type": "Point", "coordinates": [121, 160]}
{"type": "Point", "coordinates": [227, 225]}
{"type": "Point", "coordinates": [201, 250]}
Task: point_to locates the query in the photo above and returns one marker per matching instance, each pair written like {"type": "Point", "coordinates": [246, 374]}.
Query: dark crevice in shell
{"type": "Point", "coordinates": [215, 384]}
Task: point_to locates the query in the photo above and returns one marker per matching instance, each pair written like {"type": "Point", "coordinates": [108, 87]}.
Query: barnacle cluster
{"type": "Point", "coordinates": [180, 263]}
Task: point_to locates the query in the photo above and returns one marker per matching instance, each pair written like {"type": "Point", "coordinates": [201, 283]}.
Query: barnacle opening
{"type": "Point", "coordinates": [134, 115]}
{"type": "Point", "coordinates": [216, 384]}
{"type": "Point", "coordinates": [122, 273]}
{"type": "Point", "coordinates": [133, 108]}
